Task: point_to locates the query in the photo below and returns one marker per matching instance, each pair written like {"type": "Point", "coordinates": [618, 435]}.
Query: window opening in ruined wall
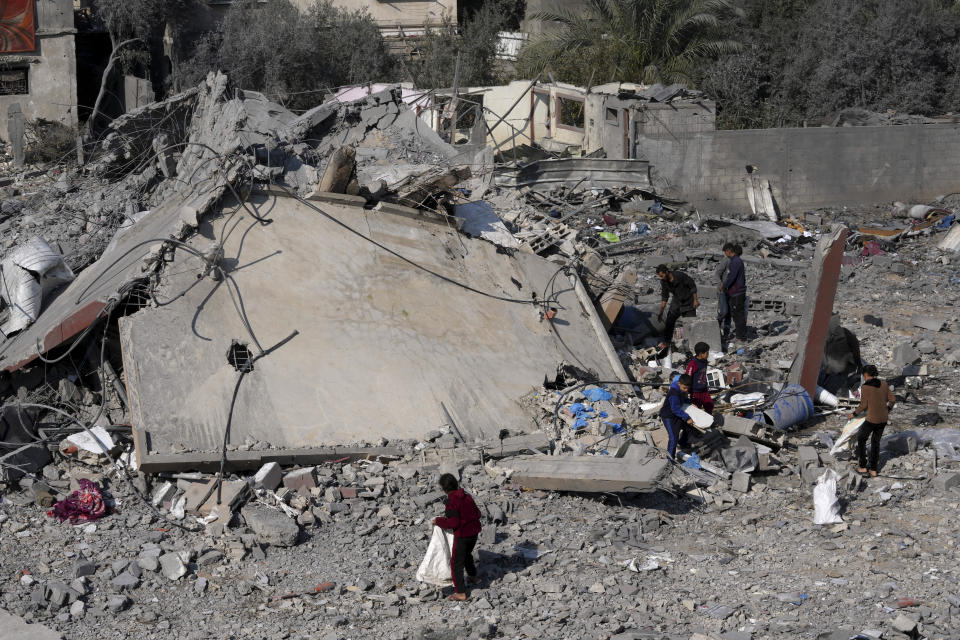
{"type": "Point", "coordinates": [570, 113]}
{"type": "Point", "coordinates": [14, 81]}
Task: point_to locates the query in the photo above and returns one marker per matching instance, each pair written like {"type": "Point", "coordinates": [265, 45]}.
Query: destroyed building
{"type": "Point", "coordinates": [240, 344]}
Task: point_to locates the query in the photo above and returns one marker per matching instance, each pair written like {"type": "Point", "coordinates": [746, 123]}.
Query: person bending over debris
{"type": "Point", "coordinates": [877, 400]}
{"type": "Point", "coordinates": [463, 517]}
{"type": "Point", "coordinates": [681, 290]}
{"type": "Point", "coordinates": [735, 288]}
{"type": "Point", "coordinates": [675, 419]}
{"type": "Point", "coordinates": [697, 370]}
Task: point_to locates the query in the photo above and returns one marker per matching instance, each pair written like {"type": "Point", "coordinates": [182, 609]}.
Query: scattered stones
{"type": "Point", "coordinates": [271, 526]}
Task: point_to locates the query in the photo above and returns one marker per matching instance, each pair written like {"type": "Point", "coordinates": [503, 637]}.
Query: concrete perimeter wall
{"type": "Point", "coordinates": [808, 168]}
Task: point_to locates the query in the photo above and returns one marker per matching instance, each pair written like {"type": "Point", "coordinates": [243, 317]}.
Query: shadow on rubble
{"type": "Point", "coordinates": [660, 500]}
{"type": "Point", "coordinates": [493, 566]}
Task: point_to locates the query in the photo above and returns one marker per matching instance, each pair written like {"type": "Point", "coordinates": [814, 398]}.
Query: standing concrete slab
{"type": "Point", "coordinates": [382, 342]}
{"type": "Point", "coordinates": [815, 323]}
{"type": "Point", "coordinates": [16, 128]}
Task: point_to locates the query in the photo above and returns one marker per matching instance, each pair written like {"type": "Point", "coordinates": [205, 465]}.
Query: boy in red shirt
{"type": "Point", "coordinates": [697, 370]}
{"type": "Point", "coordinates": [462, 515]}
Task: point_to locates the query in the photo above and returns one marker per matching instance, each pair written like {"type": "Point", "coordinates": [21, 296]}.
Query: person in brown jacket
{"type": "Point", "coordinates": [877, 400]}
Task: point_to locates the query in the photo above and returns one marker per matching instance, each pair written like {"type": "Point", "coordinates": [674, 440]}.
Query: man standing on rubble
{"type": "Point", "coordinates": [681, 291]}
{"type": "Point", "coordinates": [674, 415]}
{"type": "Point", "coordinates": [463, 517]}
{"type": "Point", "coordinates": [735, 288]}
{"type": "Point", "coordinates": [877, 400]}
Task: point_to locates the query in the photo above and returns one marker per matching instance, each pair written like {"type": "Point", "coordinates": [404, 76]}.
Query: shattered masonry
{"type": "Point", "coordinates": [240, 344]}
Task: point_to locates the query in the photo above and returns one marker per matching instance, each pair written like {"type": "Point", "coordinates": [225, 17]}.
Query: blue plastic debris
{"type": "Point", "coordinates": [597, 394]}
{"type": "Point", "coordinates": [693, 462]}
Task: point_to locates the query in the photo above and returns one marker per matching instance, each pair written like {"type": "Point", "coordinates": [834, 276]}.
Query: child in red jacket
{"type": "Point", "coordinates": [463, 516]}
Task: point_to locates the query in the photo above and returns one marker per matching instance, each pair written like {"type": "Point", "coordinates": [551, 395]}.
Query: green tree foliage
{"type": "Point", "coordinates": [630, 41]}
{"type": "Point", "coordinates": [805, 60]}
{"type": "Point", "coordinates": [475, 40]}
{"type": "Point", "coordinates": [294, 59]}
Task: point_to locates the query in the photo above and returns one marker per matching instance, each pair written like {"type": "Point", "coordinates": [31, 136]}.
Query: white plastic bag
{"type": "Point", "coordinates": [435, 567]}
{"type": "Point", "coordinates": [826, 508]}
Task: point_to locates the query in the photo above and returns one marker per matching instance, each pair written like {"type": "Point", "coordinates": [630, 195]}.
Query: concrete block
{"type": "Point", "coordinates": [808, 457]}
{"type": "Point", "coordinates": [196, 494]}
{"type": "Point", "coordinates": [230, 495]}
{"type": "Point", "coordinates": [811, 474]}
{"type": "Point", "coordinates": [268, 477]}
{"type": "Point", "coordinates": [300, 480]}
{"type": "Point", "coordinates": [740, 482]}
{"type": "Point", "coordinates": [927, 322]}
{"type": "Point", "coordinates": [348, 493]}
{"type": "Point", "coordinates": [946, 481]}
{"type": "Point", "coordinates": [271, 526]}
{"type": "Point", "coordinates": [704, 331]}
{"type": "Point", "coordinates": [905, 354]}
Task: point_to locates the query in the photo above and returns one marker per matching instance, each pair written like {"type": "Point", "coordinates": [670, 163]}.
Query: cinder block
{"type": "Point", "coordinates": [300, 480]}
{"type": "Point", "coordinates": [808, 457]}
{"type": "Point", "coordinates": [945, 481]}
{"type": "Point", "coordinates": [740, 482]}
{"type": "Point", "coordinates": [268, 477]}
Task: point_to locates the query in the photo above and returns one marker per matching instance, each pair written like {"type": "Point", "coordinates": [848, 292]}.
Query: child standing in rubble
{"type": "Point", "coordinates": [697, 370]}
{"type": "Point", "coordinates": [877, 400]}
{"type": "Point", "coordinates": [674, 416]}
{"type": "Point", "coordinates": [463, 517]}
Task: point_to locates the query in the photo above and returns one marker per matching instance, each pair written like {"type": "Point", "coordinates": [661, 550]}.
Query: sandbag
{"type": "Point", "coordinates": [435, 567]}
{"type": "Point", "coordinates": [847, 436]}
{"type": "Point", "coordinates": [826, 507]}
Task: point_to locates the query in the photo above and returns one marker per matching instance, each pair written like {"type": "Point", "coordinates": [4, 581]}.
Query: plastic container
{"type": "Point", "coordinates": [792, 407]}
{"type": "Point", "coordinates": [827, 398]}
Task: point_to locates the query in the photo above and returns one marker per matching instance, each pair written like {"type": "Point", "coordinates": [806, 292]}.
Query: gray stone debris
{"type": "Point", "coordinates": [271, 526]}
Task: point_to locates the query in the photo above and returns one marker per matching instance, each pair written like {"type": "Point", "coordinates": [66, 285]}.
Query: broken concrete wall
{"type": "Point", "coordinates": [382, 343]}
{"type": "Point", "coordinates": [807, 167]}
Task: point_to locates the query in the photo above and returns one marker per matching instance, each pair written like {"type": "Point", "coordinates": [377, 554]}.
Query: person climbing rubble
{"type": "Point", "coordinates": [463, 517]}
{"type": "Point", "coordinates": [697, 370]}
{"type": "Point", "coordinates": [674, 416]}
{"type": "Point", "coordinates": [877, 400]}
{"type": "Point", "coordinates": [735, 289]}
{"type": "Point", "coordinates": [681, 291]}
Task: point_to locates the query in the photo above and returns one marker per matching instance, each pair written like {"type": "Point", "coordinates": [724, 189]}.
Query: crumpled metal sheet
{"type": "Point", "coordinates": [27, 274]}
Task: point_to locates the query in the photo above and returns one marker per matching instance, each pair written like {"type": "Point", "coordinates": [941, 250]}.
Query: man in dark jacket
{"type": "Point", "coordinates": [674, 416]}
{"type": "Point", "coordinates": [681, 291]}
{"type": "Point", "coordinates": [735, 287]}
{"type": "Point", "coordinates": [463, 517]}
{"type": "Point", "coordinates": [876, 399]}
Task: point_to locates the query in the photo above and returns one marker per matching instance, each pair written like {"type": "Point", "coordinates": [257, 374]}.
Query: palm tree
{"type": "Point", "coordinates": [645, 41]}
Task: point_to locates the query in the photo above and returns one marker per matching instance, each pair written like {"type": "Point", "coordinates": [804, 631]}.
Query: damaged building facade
{"type": "Point", "coordinates": [38, 66]}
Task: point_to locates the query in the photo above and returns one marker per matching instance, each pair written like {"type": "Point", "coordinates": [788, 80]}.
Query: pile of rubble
{"type": "Point", "coordinates": [111, 525]}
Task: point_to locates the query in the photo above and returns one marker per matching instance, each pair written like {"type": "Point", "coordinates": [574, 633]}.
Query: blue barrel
{"type": "Point", "coordinates": [792, 407]}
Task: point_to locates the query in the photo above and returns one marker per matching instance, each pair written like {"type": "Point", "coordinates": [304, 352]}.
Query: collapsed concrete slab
{"type": "Point", "coordinates": [589, 473]}
{"type": "Point", "coordinates": [385, 337]}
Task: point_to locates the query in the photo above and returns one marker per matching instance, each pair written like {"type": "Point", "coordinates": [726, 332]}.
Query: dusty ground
{"type": "Point", "coordinates": [711, 561]}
